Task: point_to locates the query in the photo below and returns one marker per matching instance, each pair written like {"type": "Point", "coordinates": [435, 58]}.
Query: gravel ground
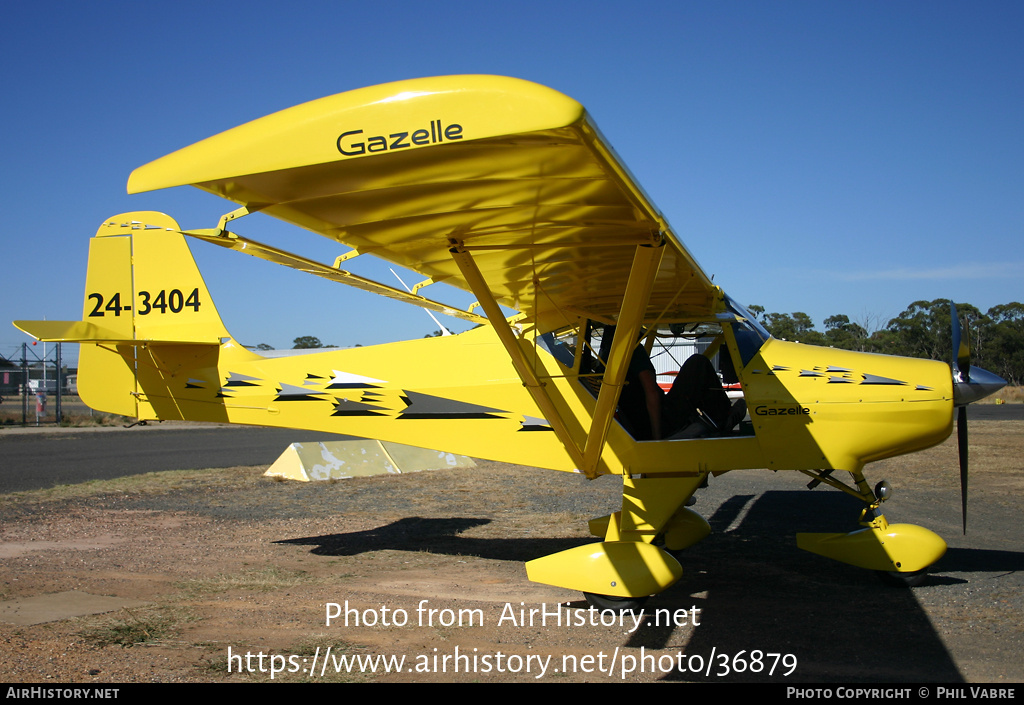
{"type": "Point", "coordinates": [227, 559]}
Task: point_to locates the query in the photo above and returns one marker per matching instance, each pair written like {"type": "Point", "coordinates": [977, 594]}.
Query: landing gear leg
{"type": "Point", "coordinates": [899, 553]}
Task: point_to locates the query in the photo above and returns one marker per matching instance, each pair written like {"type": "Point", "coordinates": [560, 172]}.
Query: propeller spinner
{"type": "Point", "coordinates": [969, 385]}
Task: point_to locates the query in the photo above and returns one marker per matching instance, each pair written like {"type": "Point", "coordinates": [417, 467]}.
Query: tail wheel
{"type": "Point", "coordinates": [616, 604]}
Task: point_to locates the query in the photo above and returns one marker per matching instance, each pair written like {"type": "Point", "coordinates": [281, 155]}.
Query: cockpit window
{"type": "Point", "coordinates": [560, 345]}
{"type": "Point", "coordinates": [750, 335]}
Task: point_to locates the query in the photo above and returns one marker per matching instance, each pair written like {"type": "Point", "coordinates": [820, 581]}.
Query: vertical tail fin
{"type": "Point", "coordinates": [143, 293]}
{"type": "Point", "coordinates": [142, 275]}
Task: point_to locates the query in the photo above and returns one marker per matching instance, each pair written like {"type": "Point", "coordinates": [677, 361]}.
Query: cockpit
{"type": "Point", "coordinates": [695, 367]}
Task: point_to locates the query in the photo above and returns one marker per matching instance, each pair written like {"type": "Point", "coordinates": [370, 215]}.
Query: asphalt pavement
{"type": "Point", "coordinates": [38, 458]}
{"type": "Point", "coordinates": [45, 457]}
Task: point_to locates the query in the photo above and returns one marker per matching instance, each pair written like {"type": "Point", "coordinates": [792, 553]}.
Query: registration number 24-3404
{"type": "Point", "coordinates": [164, 301]}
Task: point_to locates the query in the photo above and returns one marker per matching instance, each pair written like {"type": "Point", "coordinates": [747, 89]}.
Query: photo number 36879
{"type": "Point", "coordinates": [173, 301]}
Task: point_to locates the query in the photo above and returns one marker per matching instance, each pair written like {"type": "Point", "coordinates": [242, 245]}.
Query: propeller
{"type": "Point", "coordinates": [969, 385]}
{"type": "Point", "coordinates": [961, 375]}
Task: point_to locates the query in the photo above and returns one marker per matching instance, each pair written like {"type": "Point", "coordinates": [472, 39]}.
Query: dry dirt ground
{"type": "Point", "coordinates": [228, 562]}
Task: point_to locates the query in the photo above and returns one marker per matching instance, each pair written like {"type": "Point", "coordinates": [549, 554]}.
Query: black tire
{"type": "Point", "coordinates": [616, 604]}
{"type": "Point", "coordinates": [903, 580]}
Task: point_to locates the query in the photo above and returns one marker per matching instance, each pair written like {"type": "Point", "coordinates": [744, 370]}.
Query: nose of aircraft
{"type": "Point", "coordinates": [978, 384]}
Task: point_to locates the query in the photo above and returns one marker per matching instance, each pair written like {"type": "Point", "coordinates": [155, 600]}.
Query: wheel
{"type": "Point", "coordinates": [903, 580]}
{"type": "Point", "coordinates": [616, 604]}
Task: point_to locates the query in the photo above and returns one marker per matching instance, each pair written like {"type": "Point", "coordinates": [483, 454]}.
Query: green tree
{"type": "Point", "coordinates": [925, 329]}
{"type": "Point", "coordinates": [1004, 349]}
{"type": "Point", "coordinates": [841, 332]}
{"type": "Point", "coordinates": [797, 327]}
{"type": "Point", "coordinates": [306, 342]}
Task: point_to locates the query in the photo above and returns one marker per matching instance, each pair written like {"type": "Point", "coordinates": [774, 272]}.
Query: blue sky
{"type": "Point", "coordinates": [825, 157]}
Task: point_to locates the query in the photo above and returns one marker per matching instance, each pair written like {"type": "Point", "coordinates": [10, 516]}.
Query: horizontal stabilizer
{"type": "Point", "coordinates": [68, 332]}
{"type": "Point", "coordinates": [85, 332]}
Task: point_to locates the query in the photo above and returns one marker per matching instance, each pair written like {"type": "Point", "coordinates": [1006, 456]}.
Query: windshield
{"type": "Point", "coordinates": [750, 335]}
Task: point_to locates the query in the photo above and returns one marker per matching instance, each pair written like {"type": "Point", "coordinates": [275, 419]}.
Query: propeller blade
{"type": "Point", "coordinates": [961, 349]}
{"type": "Point", "coordinates": [966, 391]}
{"type": "Point", "coordinates": [961, 437]}
{"type": "Point", "coordinates": [961, 381]}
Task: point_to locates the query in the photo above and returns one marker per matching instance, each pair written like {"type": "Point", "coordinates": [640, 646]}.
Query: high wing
{"type": "Point", "coordinates": [512, 173]}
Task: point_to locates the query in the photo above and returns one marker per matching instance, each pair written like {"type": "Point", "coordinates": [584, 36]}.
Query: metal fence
{"type": "Point", "coordinates": [36, 387]}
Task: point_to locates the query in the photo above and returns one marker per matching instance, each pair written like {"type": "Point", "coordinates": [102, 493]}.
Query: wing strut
{"type": "Point", "coordinates": [478, 285]}
{"type": "Point", "coordinates": [233, 241]}
{"type": "Point", "coordinates": [646, 260]}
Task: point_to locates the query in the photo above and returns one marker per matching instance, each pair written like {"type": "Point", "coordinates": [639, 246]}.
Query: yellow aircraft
{"type": "Point", "coordinates": [506, 189]}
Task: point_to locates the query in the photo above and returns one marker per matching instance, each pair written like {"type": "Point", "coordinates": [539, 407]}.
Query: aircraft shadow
{"type": "Point", "coordinates": [758, 592]}
{"type": "Point", "coordinates": [970, 560]}
{"type": "Point", "coordinates": [755, 589]}
{"type": "Point", "coordinates": [436, 535]}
